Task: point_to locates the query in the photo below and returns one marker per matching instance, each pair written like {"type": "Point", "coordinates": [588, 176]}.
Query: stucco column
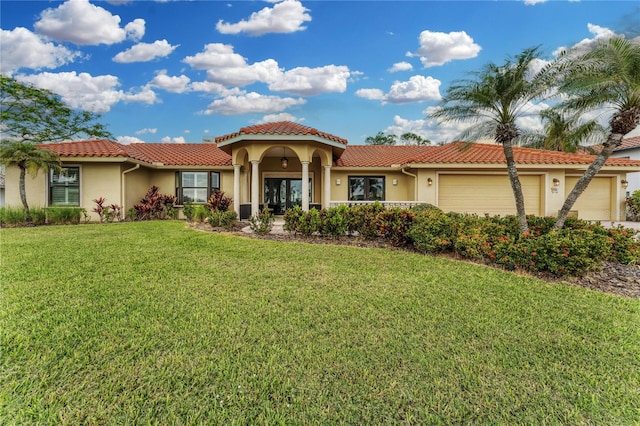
{"type": "Point", "coordinates": [327, 187]}
{"type": "Point", "coordinates": [305, 186]}
{"type": "Point", "coordinates": [236, 188]}
{"type": "Point", "coordinates": [255, 190]}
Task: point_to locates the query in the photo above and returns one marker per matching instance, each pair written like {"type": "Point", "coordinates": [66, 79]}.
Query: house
{"type": "Point", "coordinates": [630, 148]}
{"type": "Point", "coordinates": [284, 164]}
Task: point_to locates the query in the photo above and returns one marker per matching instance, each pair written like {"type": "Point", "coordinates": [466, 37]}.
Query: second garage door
{"type": "Point", "coordinates": [488, 194]}
{"type": "Point", "coordinates": [595, 201]}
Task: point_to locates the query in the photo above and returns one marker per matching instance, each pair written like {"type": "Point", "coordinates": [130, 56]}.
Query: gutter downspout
{"type": "Point", "coordinates": [122, 186]}
{"type": "Point", "coordinates": [415, 186]}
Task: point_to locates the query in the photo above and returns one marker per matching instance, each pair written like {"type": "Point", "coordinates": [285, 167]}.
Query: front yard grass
{"type": "Point", "coordinates": [154, 323]}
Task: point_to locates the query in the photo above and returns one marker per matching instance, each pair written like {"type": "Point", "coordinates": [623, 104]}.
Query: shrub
{"type": "Point", "coordinates": [222, 219]}
{"type": "Point", "coordinates": [39, 215]}
{"type": "Point", "coordinates": [633, 206]}
{"type": "Point", "coordinates": [262, 223]}
{"type": "Point", "coordinates": [219, 201]}
{"type": "Point", "coordinates": [334, 221]}
{"type": "Point", "coordinates": [106, 213]}
{"type": "Point", "coordinates": [363, 219]}
{"type": "Point", "coordinates": [156, 206]}
{"type": "Point", "coordinates": [625, 247]}
{"type": "Point", "coordinates": [563, 252]}
{"type": "Point", "coordinates": [432, 231]}
{"type": "Point", "coordinates": [310, 222]}
{"type": "Point", "coordinates": [394, 225]}
{"type": "Point", "coordinates": [200, 213]}
{"type": "Point", "coordinates": [65, 215]}
{"type": "Point", "coordinates": [188, 210]}
{"type": "Point", "coordinates": [12, 216]}
{"type": "Point", "coordinates": [292, 219]}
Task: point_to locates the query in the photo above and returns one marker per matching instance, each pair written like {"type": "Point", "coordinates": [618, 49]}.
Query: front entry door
{"type": "Point", "coordinates": [283, 193]}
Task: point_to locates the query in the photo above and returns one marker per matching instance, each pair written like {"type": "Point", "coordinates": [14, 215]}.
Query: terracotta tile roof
{"type": "Point", "coordinates": [168, 154]}
{"type": "Point", "coordinates": [629, 143]}
{"type": "Point", "coordinates": [189, 154]}
{"type": "Point", "coordinates": [91, 148]}
{"type": "Point", "coordinates": [281, 128]}
{"type": "Point", "coordinates": [379, 155]}
{"type": "Point", "coordinates": [473, 153]}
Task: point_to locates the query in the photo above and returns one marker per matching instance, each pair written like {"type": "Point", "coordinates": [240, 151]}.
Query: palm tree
{"type": "Point", "coordinates": [493, 101]}
{"type": "Point", "coordinates": [29, 159]}
{"type": "Point", "coordinates": [607, 76]}
{"type": "Point", "coordinates": [564, 133]}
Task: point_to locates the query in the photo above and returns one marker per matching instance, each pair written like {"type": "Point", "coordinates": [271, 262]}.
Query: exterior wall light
{"type": "Point", "coordinates": [556, 182]}
{"type": "Point", "coordinates": [429, 181]}
{"type": "Point", "coordinates": [338, 182]}
{"type": "Point", "coordinates": [395, 181]}
{"type": "Point", "coordinates": [624, 183]}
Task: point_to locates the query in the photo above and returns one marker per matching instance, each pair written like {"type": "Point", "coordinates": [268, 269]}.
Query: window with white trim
{"type": "Point", "coordinates": [64, 187]}
{"type": "Point", "coordinates": [196, 186]}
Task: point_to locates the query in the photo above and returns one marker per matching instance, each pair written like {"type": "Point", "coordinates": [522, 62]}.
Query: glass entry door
{"type": "Point", "coordinates": [283, 193]}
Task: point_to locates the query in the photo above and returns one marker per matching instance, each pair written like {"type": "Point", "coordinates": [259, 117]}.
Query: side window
{"type": "Point", "coordinates": [366, 188]}
{"type": "Point", "coordinates": [196, 187]}
{"type": "Point", "coordinates": [64, 187]}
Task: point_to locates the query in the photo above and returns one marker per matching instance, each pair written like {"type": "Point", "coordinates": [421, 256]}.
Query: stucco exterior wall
{"type": "Point", "coordinates": [34, 187]}
{"type": "Point", "coordinates": [632, 178]}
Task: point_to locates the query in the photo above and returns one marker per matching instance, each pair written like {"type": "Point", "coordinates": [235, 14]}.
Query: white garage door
{"type": "Point", "coordinates": [595, 201]}
{"type": "Point", "coordinates": [492, 194]}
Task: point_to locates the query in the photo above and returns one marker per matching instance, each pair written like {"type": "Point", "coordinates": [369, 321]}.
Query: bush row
{"type": "Point", "coordinates": [16, 216]}
{"type": "Point", "coordinates": [578, 248]}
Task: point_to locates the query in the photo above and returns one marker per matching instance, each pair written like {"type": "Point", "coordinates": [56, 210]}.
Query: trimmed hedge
{"type": "Point", "coordinates": [575, 250]}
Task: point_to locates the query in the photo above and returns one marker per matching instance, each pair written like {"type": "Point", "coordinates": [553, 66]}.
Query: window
{"type": "Point", "coordinates": [64, 187]}
{"type": "Point", "coordinates": [366, 188]}
{"type": "Point", "coordinates": [196, 187]}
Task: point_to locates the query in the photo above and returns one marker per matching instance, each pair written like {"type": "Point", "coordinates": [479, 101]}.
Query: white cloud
{"type": "Point", "coordinates": [312, 81]}
{"type": "Point", "coordinates": [532, 2]}
{"type": "Point", "coordinates": [145, 52]}
{"type": "Point", "coordinates": [226, 67]}
{"type": "Point", "coordinates": [417, 89]}
{"type": "Point", "coordinates": [83, 23]}
{"type": "Point", "coordinates": [439, 48]}
{"type": "Point", "coordinates": [215, 88]}
{"type": "Point", "coordinates": [128, 140]}
{"type": "Point", "coordinates": [96, 94]}
{"type": "Point", "coordinates": [373, 94]}
{"type": "Point", "coordinates": [168, 139]}
{"type": "Point", "coordinates": [144, 131]}
{"type": "Point", "coordinates": [401, 66]}
{"type": "Point", "coordinates": [135, 29]}
{"type": "Point", "coordinates": [284, 116]}
{"type": "Point", "coordinates": [285, 17]}
{"type": "Point", "coordinates": [20, 48]}
{"type": "Point", "coordinates": [599, 34]}
{"type": "Point", "coordinates": [170, 84]}
{"type": "Point", "coordinates": [251, 103]}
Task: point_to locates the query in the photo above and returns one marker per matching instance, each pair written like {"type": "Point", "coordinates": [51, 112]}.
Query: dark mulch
{"type": "Point", "coordinates": [613, 278]}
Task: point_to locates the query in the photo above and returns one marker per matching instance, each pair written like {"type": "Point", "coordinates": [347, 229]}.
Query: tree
{"type": "Point", "coordinates": [413, 139]}
{"type": "Point", "coordinates": [563, 132]}
{"type": "Point", "coordinates": [493, 100]}
{"type": "Point", "coordinates": [380, 139]}
{"type": "Point", "coordinates": [606, 76]}
{"type": "Point", "coordinates": [29, 159]}
{"type": "Point", "coordinates": [30, 116]}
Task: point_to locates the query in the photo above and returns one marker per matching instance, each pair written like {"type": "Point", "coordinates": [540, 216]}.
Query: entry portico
{"type": "Point", "coordinates": [290, 162]}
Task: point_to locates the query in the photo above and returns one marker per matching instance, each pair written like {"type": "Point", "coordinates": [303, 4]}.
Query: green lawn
{"type": "Point", "coordinates": [154, 323]}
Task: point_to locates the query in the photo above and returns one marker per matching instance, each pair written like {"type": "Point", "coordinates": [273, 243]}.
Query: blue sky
{"type": "Point", "coordinates": [183, 71]}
